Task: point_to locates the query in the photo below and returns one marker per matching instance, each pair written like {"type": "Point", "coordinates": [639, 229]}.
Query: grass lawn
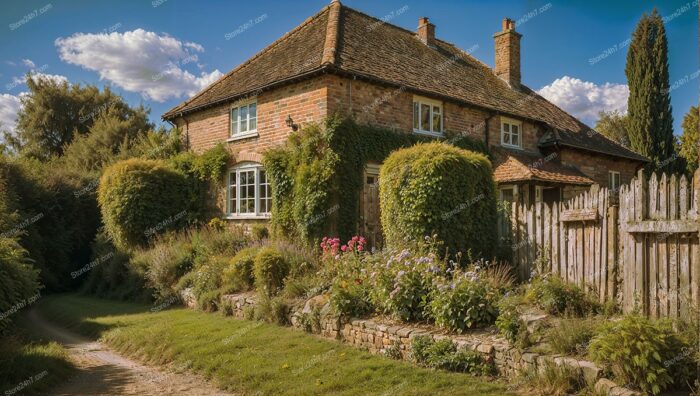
{"type": "Point", "coordinates": [29, 364]}
{"type": "Point", "coordinates": [252, 357]}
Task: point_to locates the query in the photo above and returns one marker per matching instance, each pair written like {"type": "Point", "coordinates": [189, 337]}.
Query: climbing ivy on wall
{"type": "Point", "coordinates": [317, 175]}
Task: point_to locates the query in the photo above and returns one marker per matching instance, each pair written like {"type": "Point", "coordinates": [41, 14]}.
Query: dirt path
{"type": "Point", "coordinates": [103, 372]}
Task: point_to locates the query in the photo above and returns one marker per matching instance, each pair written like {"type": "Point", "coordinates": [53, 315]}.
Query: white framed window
{"type": "Point", "coordinates": [613, 180]}
{"type": "Point", "coordinates": [511, 133]}
{"type": "Point", "coordinates": [508, 193]}
{"type": "Point", "coordinates": [427, 116]}
{"type": "Point", "coordinates": [244, 120]}
{"type": "Point", "coordinates": [248, 192]}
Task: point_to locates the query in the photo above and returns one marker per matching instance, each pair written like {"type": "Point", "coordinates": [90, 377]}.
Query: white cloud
{"type": "Point", "coordinates": [54, 77]}
{"type": "Point", "coordinates": [9, 106]}
{"type": "Point", "coordinates": [584, 99]}
{"type": "Point", "coordinates": [138, 61]}
{"type": "Point", "coordinates": [29, 63]}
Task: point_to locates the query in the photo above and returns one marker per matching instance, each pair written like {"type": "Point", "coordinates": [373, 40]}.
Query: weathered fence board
{"type": "Point", "coordinates": [639, 246]}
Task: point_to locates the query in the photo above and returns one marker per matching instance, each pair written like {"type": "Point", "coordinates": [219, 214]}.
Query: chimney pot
{"type": "Point", "coordinates": [507, 65]}
{"type": "Point", "coordinates": [426, 31]}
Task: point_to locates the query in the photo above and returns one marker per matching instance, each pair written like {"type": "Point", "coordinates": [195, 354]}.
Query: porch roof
{"type": "Point", "coordinates": [516, 166]}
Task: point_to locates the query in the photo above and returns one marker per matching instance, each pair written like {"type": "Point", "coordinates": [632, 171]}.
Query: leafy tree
{"type": "Point", "coordinates": [649, 104]}
{"type": "Point", "coordinates": [53, 113]}
{"type": "Point", "coordinates": [613, 125]}
{"type": "Point", "coordinates": [688, 148]}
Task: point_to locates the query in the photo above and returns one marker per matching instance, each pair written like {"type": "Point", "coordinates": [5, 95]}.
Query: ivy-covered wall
{"type": "Point", "coordinates": [317, 176]}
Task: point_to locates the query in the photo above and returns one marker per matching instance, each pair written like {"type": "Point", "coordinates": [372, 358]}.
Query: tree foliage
{"type": "Point", "coordinates": [689, 144]}
{"type": "Point", "coordinates": [649, 104]}
{"type": "Point", "coordinates": [54, 113]}
{"type": "Point", "coordinates": [614, 126]}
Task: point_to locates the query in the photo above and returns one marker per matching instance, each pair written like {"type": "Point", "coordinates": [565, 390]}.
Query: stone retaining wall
{"type": "Point", "coordinates": [379, 338]}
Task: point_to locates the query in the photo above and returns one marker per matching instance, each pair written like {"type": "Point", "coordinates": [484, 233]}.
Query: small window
{"type": "Point", "coordinates": [244, 120]}
{"type": "Point", "coordinates": [613, 180]}
{"type": "Point", "coordinates": [249, 193]}
{"type": "Point", "coordinates": [511, 133]}
{"type": "Point", "coordinates": [427, 116]}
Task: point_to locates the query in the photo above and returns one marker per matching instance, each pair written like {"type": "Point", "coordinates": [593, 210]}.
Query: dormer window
{"type": "Point", "coordinates": [244, 120]}
{"type": "Point", "coordinates": [511, 133]}
{"type": "Point", "coordinates": [427, 116]}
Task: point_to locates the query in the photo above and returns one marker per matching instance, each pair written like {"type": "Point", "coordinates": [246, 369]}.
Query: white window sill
{"type": "Point", "coordinates": [510, 146]}
{"type": "Point", "coordinates": [243, 136]}
{"type": "Point", "coordinates": [428, 133]}
{"type": "Point", "coordinates": [247, 217]}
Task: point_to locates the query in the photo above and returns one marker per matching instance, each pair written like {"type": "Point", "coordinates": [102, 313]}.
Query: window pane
{"type": "Point", "coordinates": [514, 130]}
{"type": "Point", "coordinates": [244, 119]}
{"type": "Point", "coordinates": [232, 192]}
{"type": "Point", "coordinates": [416, 115]}
{"type": "Point", "coordinates": [437, 119]}
{"type": "Point", "coordinates": [425, 117]}
{"type": "Point", "coordinates": [515, 140]}
{"type": "Point", "coordinates": [253, 112]}
{"type": "Point", "coordinates": [264, 193]}
{"type": "Point", "coordinates": [234, 121]}
{"type": "Point", "coordinates": [246, 191]}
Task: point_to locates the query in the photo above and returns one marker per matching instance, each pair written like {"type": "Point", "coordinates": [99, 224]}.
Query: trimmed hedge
{"type": "Point", "coordinates": [317, 176]}
{"type": "Point", "coordinates": [19, 281]}
{"type": "Point", "coordinates": [437, 189]}
{"type": "Point", "coordinates": [139, 198]}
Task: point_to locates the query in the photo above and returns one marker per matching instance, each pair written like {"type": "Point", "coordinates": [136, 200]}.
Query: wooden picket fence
{"type": "Point", "coordinates": [644, 251]}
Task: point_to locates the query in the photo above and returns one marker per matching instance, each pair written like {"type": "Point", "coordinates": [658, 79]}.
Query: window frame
{"type": "Point", "coordinates": [611, 180]}
{"type": "Point", "coordinates": [248, 132]}
{"type": "Point", "coordinates": [511, 122]}
{"type": "Point", "coordinates": [420, 101]}
{"type": "Point", "coordinates": [233, 205]}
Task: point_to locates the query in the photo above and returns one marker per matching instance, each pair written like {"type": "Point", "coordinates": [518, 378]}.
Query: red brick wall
{"type": "Point", "coordinates": [596, 166]}
{"type": "Point", "coordinates": [305, 102]}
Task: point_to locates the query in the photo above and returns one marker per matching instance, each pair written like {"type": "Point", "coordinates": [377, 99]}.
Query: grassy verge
{"type": "Point", "coordinates": [252, 357]}
{"type": "Point", "coordinates": [30, 364]}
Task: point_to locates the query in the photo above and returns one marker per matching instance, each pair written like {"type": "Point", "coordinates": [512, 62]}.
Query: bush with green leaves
{"type": "Point", "coordinates": [19, 281]}
{"type": "Point", "coordinates": [269, 270]}
{"type": "Point", "coordinates": [443, 354]}
{"type": "Point", "coordinates": [404, 285]}
{"type": "Point", "coordinates": [438, 189]}
{"type": "Point", "coordinates": [238, 276]}
{"type": "Point", "coordinates": [259, 232]}
{"type": "Point", "coordinates": [141, 198]}
{"type": "Point", "coordinates": [572, 335]}
{"type": "Point", "coordinates": [463, 302]}
{"type": "Point", "coordinates": [643, 352]}
{"type": "Point", "coordinates": [509, 323]}
{"type": "Point", "coordinates": [558, 297]}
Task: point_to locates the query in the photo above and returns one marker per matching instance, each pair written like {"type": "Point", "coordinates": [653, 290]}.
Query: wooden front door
{"type": "Point", "coordinates": [370, 219]}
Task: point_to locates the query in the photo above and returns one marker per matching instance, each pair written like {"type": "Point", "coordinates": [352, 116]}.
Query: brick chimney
{"type": "Point", "coordinates": [508, 53]}
{"type": "Point", "coordinates": [426, 32]}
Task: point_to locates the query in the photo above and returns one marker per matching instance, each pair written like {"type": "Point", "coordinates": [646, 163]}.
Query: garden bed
{"type": "Point", "coordinates": [380, 335]}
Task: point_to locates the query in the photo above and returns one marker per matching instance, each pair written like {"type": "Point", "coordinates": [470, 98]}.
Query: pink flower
{"type": "Point", "coordinates": [343, 248]}
{"type": "Point", "coordinates": [360, 248]}
{"type": "Point", "coordinates": [355, 238]}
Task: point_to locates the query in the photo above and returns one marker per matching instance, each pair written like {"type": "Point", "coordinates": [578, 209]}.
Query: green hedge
{"type": "Point", "coordinates": [318, 175]}
{"type": "Point", "coordinates": [139, 198]}
{"type": "Point", "coordinates": [19, 282]}
{"type": "Point", "coordinates": [437, 189]}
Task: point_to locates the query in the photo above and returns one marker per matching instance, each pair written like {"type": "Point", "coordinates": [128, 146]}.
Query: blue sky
{"type": "Point", "coordinates": [159, 52]}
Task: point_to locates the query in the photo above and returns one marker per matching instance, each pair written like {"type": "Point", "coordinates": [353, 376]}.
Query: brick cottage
{"type": "Point", "coordinates": [341, 61]}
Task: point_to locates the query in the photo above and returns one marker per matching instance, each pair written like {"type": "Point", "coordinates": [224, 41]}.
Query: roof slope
{"type": "Point", "coordinates": [365, 46]}
{"type": "Point", "coordinates": [512, 166]}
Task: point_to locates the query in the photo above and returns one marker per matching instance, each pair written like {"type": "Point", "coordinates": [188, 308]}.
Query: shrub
{"type": "Point", "coordinates": [139, 198]}
{"type": "Point", "coordinates": [556, 296]}
{"type": "Point", "coordinates": [259, 232]}
{"type": "Point", "coordinates": [444, 355]}
{"type": "Point", "coordinates": [18, 279]}
{"type": "Point", "coordinates": [571, 336]}
{"type": "Point", "coordinates": [509, 323]}
{"type": "Point", "coordinates": [170, 258]}
{"type": "Point", "coordinates": [642, 352]}
{"type": "Point", "coordinates": [463, 303]}
{"type": "Point", "coordinates": [438, 189]}
{"type": "Point", "coordinates": [206, 281]}
{"type": "Point", "coordinates": [272, 310]}
{"type": "Point", "coordinates": [270, 269]}
{"type": "Point", "coordinates": [238, 276]}
{"type": "Point", "coordinates": [404, 285]}
{"type": "Point", "coordinates": [555, 380]}
{"type": "Point", "coordinates": [351, 298]}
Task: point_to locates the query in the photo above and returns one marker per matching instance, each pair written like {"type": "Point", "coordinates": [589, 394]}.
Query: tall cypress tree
{"type": "Point", "coordinates": [649, 103]}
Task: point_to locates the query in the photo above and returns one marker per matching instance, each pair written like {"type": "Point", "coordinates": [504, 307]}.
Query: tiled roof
{"type": "Point", "coordinates": [514, 166]}
{"type": "Point", "coordinates": [365, 47]}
